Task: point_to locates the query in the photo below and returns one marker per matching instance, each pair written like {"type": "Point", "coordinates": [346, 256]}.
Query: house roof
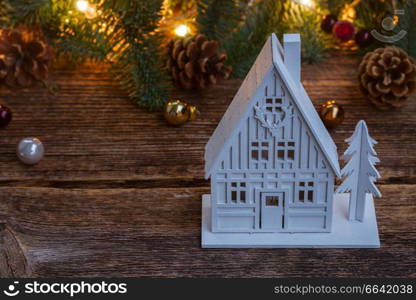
{"type": "Point", "coordinates": [271, 56]}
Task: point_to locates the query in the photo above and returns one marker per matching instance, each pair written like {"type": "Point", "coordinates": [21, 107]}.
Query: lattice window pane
{"type": "Point", "coordinates": [310, 196]}
{"type": "Point", "coordinates": [238, 192]}
{"type": "Point", "coordinates": [234, 196]}
{"type": "Point", "coordinates": [255, 154]}
{"type": "Point", "coordinates": [243, 196]}
{"type": "Point", "coordinates": [286, 151]}
{"type": "Point", "coordinates": [274, 104]}
{"type": "Point", "coordinates": [302, 196]}
{"type": "Point", "coordinates": [291, 154]}
{"type": "Point", "coordinates": [306, 191]}
{"type": "Point", "coordinates": [265, 155]}
{"type": "Point", "coordinates": [260, 151]}
{"type": "Point", "coordinates": [272, 201]}
{"type": "Point", "coordinates": [269, 105]}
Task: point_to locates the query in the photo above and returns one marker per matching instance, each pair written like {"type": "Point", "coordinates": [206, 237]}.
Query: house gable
{"type": "Point", "coordinates": [268, 65]}
{"type": "Point", "coordinates": [289, 148]}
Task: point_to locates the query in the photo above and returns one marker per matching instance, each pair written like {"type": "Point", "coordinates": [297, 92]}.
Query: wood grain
{"type": "Point", "coordinates": [119, 191]}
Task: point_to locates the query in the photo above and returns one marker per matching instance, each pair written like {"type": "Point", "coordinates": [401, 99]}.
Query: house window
{"type": "Point", "coordinates": [285, 151]}
{"type": "Point", "coordinates": [274, 104]}
{"type": "Point", "coordinates": [238, 192]}
{"type": "Point", "coordinates": [306, 189]}
{"type": "Point", "coordinates": [260, 151]}
{"type": "Point", "coordinates": [272, 200]}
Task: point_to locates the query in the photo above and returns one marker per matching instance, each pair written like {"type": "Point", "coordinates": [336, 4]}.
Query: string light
{"type": "Point", "coordinates": [88, 9]}
{"type": "Point", "coordinates": [82, 5]}
{"type": "Point", "coordinates": [308, 3]}
{"type": "Point", "coordinates": [91, 12]}
{"type": "Point", "coordinates": [182, 30]}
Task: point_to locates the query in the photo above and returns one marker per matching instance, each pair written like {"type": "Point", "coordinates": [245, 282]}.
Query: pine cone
{"type": "Point", "coordinates": [196, 63]}
{"type": "Point", "coordinates": [387, 77]}
{"type": "Point", "coordinates": [24, 57]}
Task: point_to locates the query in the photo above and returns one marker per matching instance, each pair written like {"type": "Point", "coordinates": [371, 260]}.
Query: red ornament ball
{"type": "Point", "coordinates": [328, 23]}
{"type": "Point", "coordinates": [5, 116]}
{"type": "Point", "coordinates": [344, 31]}
{"type": "Point", "coordinates": [364, 38]}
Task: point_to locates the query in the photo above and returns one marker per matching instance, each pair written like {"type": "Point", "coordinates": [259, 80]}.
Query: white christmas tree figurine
{"type": "Point", "coordinates": [359, 173]}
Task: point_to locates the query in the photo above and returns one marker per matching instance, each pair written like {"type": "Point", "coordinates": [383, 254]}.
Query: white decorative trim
{"type": "Point", "coordinates": [274, 127]}
{"type": "Point", "coordinates": [344, 234]}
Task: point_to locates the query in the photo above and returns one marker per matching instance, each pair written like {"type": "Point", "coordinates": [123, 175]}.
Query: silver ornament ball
{"type": "Point", "coordinates": [30, 150]}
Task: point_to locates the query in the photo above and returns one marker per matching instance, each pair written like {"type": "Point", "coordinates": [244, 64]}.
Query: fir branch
{"type": "Point", "coordinates": [71, 34]}
{"type": "Point", "coordinates": [4, 12]}
{"type": "Point", "coordinates": [45, 14]}
{"type": "Point", "coordinates": [28, 12]}
{"type": "Point", "coordinates": [218, 18]}
{"type": "Point", "coordinates": [301, 19]}
{"type": "Point", "coordinates": [138, 57]}
{"type": "Point", "coordinates": [333, 6]}
{"type": "Point", "coordinates": [243, 45]}
{"type": "Point", "coordinates": [370, 13]}
{"type": "Point", "coordinates": [279, 17]}
{"type": "Point", "coordinates": [180, 6]}
{"type": "Point", "coordinates": [79, 42]}
{"type": "Point", "coordinates": [125, 32]}
{"type": "Point", "coordinates": [407, 23]}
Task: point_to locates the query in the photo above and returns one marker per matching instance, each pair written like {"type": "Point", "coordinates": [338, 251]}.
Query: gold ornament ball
{"type": "Point", "coordinates": [332, 114]}
{"type": "Point", "coordinates": [177, 112]}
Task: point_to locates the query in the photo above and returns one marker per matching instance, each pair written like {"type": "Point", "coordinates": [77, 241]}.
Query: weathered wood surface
{"type": "Point", "coordinates": [119, 191]}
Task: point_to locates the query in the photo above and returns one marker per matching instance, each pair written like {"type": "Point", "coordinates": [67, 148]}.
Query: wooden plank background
{"type": "Point", "coordinates": [119, 191]}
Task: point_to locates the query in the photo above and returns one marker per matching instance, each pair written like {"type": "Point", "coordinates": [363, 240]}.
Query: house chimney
{"type": "Point", "coordinates": [292, 58]}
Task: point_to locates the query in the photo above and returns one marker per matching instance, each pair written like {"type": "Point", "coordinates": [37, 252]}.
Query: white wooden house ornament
{"type": "Point", "coordinates": [272, 166]}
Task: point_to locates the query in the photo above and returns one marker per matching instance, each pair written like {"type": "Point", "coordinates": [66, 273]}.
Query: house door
{"type": "Point", "coordinates": [272, 211]}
